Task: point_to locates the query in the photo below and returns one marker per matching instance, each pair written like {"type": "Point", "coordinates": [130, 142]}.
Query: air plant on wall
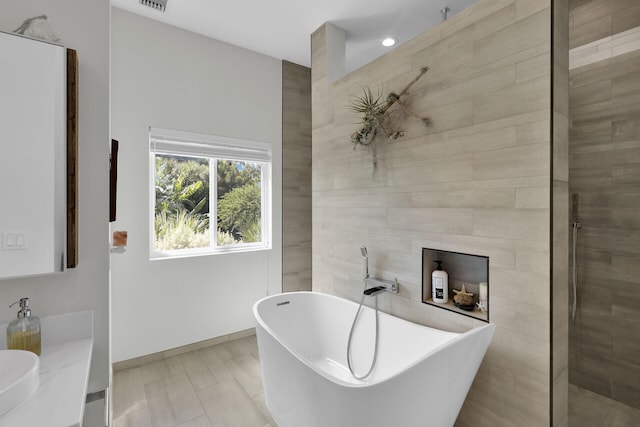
{"type": "Point", "coordinates": [379, 121]}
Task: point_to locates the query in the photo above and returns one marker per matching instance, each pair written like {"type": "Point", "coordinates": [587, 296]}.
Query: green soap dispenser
{"type": "Point", "coordinates": [23, 333]}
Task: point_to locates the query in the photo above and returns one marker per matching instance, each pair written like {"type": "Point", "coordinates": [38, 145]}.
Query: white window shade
{"type": "Point", "coordinates": [167, 141]}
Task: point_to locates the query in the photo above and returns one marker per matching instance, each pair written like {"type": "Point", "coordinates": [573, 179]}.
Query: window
{"type": "Point", "coordinates": [209, 194]}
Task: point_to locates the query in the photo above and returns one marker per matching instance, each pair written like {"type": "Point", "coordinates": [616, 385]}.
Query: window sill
{"type": "Point", "coordinates": [159, 256]}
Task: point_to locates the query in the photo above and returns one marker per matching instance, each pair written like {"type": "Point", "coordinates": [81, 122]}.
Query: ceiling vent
{"type": "Point", "coordinates": [160, 5]}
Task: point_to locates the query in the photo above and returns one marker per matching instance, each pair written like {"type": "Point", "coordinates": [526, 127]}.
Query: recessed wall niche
{"type": "Point", "coordinates": [463, 269]}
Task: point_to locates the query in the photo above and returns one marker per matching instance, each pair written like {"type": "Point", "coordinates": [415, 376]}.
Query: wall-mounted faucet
{"type": "Point", "coordinates": [375, 290]}
{"type": "Point", "coordinates": [377, 285]}
{"type": "Point", "coordinates": [374, 285]}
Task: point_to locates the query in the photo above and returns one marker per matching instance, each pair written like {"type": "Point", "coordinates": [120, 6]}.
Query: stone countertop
{"type": "Point", "coordinates": [65, 362]}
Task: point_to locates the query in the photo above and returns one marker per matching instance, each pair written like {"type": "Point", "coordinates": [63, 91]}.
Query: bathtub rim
{"type": "Point", "coordinates": [359, 383]}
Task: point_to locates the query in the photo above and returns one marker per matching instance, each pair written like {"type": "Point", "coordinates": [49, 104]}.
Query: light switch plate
{"type": "Point", "coordinates": [13, 241]}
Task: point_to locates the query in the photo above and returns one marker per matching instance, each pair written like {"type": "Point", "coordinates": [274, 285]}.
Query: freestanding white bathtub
{"type": "Point", "coordinates": [421, 377]}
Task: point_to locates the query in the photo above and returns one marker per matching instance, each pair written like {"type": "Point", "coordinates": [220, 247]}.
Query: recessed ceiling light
{"type": "Point", "coordinates": [389, 41]}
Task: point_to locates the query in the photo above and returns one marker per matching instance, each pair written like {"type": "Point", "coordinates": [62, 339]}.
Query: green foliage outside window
{"type": "Point", "coordinates": [239, 200]}
{"type": "Point", "coordinates": [234, 174]}
{"type": "Point", "coordinates": [239, 211]}
{"type": "Point", "coordinates": [181, 230]}
{"type": "Point", "coordinates": [182, 184]}
{"type": "Point", "coordinates": [182, 208]}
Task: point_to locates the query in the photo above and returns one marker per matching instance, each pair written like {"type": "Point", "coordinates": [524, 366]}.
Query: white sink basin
{"type": "Point", "coordinates": [19, 377]}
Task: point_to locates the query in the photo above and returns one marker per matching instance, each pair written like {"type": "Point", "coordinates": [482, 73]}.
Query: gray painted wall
{"type": "Point", "coordinates": [170, 78]}
{"type": "Point", "coordinates": [84, 26]}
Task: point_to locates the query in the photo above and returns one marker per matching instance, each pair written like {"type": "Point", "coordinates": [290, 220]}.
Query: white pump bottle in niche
{"type": "Point", "coordinates": [439, 284]}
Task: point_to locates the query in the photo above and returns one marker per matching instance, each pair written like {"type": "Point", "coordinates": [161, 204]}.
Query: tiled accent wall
{"type": "Point", "coordinates": [605, 48]}
{"type": "Point", "coordinates": [605, 173]}
{"type": "Point", "coordinates": [296, 177]}
{"type": "Point", "coordinates": [478, 181]}
{"type": "Point", "coordinates": [591, 20]}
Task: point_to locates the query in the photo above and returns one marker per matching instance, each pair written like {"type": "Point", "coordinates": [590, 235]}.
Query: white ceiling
{"type": "Point", "coordinates": [282, 28]}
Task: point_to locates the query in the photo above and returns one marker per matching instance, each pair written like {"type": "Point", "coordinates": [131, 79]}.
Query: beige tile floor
{"type": "Point", "coordinates": [587, 409]}
{"type": "Point", "coordinates": [218, 386]}
{"type": "Point", "coordinates": [221, 386]}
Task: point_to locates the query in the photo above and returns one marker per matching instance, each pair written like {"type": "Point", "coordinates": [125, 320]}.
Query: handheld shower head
{"type": "Point", "coordinates": [363, 252]}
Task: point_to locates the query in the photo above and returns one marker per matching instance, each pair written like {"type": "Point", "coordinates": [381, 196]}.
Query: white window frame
{"type": "Point", "coordinates": [197, 145]}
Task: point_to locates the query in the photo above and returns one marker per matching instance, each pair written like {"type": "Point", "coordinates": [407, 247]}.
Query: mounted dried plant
{"type": "Point", "coordinates": [378, 120]}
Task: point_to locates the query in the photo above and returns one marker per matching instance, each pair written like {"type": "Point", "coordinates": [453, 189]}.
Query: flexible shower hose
{"type": "Point", "coordinates": [375, 350]}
